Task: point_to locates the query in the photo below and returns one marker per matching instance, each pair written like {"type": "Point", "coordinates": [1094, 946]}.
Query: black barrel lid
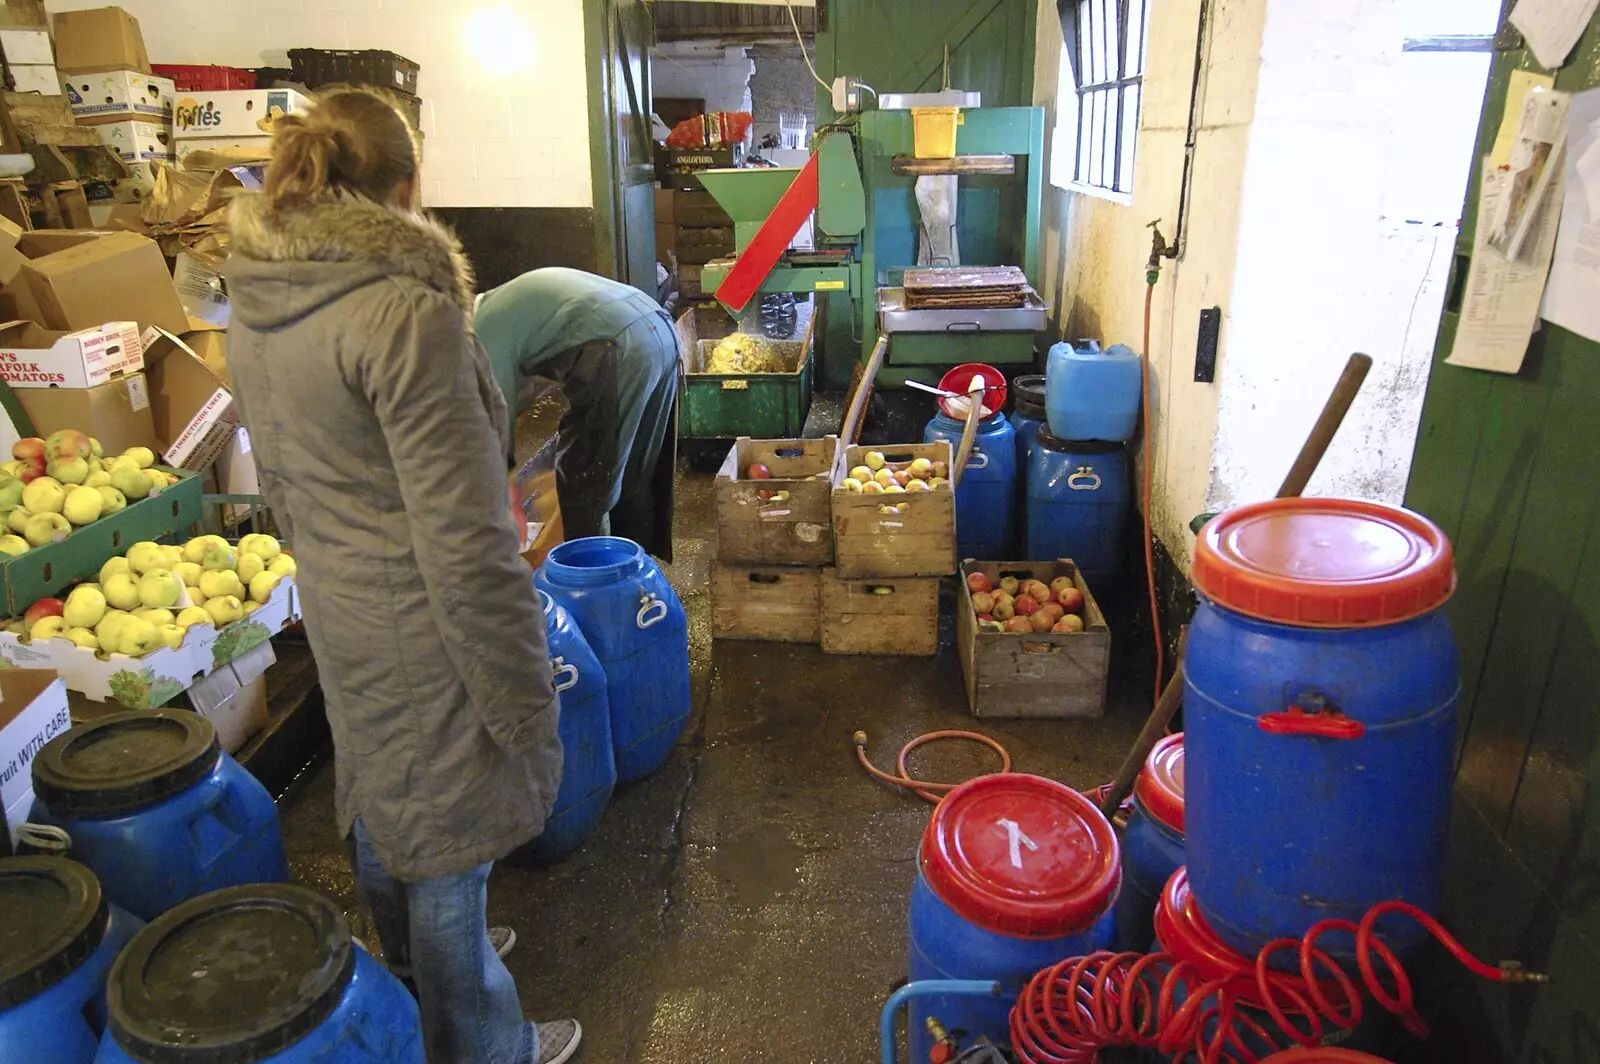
{"type": "Point", "coordinates": [124, 762]}
{"type": "Point", "coordinates": [54, 918]}
{"type": "Point", "coordinates": [1055, 443]}
{"type": "Point", "coordinates": [1027, 394]}
{"type": "Point", "coordinates": [230, 977]}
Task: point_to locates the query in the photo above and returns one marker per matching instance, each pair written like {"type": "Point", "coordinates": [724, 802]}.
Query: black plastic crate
{"type": "Point", "coordinates": [317, 67]}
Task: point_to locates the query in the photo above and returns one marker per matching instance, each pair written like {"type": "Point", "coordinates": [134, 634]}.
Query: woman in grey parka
{"type": "Point", "coordinates": [376, 429]}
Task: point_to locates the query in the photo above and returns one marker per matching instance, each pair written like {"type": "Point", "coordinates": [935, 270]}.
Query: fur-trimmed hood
{"type": "Point", "coordinates": [284, 264]}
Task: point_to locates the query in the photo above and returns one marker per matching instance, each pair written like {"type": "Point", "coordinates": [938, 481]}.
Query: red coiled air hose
{"type": "Point", "coordinates": [1069, 1012]}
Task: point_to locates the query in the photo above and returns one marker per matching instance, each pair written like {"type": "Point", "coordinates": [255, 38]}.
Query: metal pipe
{"type": "Point", "coordinates": [1175, 250]}
{"type": "Point", "coordinates": [925, 988]}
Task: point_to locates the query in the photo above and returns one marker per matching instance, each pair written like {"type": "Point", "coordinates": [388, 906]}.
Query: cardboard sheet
{"type": "Point", "coordinates": [1552, 27]}
{"type": "Point", "coordinates": [1572, 296]}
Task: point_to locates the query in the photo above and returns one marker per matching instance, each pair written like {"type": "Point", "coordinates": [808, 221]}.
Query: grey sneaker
{"type": "Point", "coordinates": [503, 939]}
{"type": "Point", "coordinates": [558, 1041]}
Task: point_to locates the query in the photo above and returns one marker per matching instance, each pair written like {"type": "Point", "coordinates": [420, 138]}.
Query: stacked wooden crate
{"type": "Point", "coordinates": [691, 225]}
{"type": "Point", "coordinates": [891, 551]}
{"type": "Point", "coordinates": [774, 538]}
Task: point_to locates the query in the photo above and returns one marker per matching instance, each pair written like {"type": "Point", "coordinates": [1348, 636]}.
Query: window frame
{"type": "Point", "coordinates": [1083, 31]}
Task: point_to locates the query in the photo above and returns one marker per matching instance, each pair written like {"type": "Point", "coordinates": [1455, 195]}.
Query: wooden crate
{"type": "Point", "coordinates": [777, 603]}
{"type": "Point", "coordinates": [1041, 675]}
{"type": "Point", "coordinates": [880, 616]}
{"type": "Point", "coordinates": [894, 535]}
{"type": "Point", "coordinates": [797, 530]}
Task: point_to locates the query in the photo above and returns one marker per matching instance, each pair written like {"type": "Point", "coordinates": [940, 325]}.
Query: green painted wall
{"type": "Point", "coordinates": [1510, 467]}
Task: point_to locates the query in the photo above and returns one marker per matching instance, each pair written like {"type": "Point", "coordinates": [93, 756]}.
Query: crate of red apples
{"type": "Point", "coordinates": [1032, 639]}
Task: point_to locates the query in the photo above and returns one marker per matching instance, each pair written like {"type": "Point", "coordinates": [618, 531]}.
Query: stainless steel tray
{"type": "Point", "coordinates": [894, 317]}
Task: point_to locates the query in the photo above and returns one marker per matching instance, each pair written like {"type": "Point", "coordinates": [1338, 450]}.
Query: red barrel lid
{"type": "Point", "coordinates": [1159, 787]}
{"type": "Point", "coordinates": [1183, 932]}
{"type": "Point", "coordinates": [1324, 563]}
{"type": "Point", "coordinates": [1022, 855]}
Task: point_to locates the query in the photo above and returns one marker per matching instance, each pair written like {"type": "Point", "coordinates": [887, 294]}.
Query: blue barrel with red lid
{"type": "Point", "coordinates": [1015, 873]}
{"type": "Point", "coordinates": [1320, 689]}
{"type": "Point", "coordinates": [1152, 843]}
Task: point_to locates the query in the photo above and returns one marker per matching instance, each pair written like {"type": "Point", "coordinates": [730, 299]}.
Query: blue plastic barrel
{"type": "Point", "coordinates": [1079, 498]}
{"type": "Point", "coordinates": [58, 938]}
{"type": "Point", "coordinates": [588, 763]}
{"type": "Point", "coordinates": [264, 974]}
{"type": "Point", "coordinates": [986, 495]}
{"type": "Point", "coordinates": [637, 629]}
{"type": "Point", "coordinates": [1092, 394]}
{"type": "Point", "coordinates": [1027, 417]}
{"type": "Point", "coordinates": [1320, 718]}
{"type": "Point", "coordinates": [1152, 843]}
{"type": "Point", "coordinates": [1016, 872]}
{"type": "Point", "coordinates": [157, 809]}
{"type": "Point", "coordinates": [1181, 930]}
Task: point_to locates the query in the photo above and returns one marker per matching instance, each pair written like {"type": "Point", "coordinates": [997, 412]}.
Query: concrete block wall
{"type": "Point", "coordinates": [718, 74]}
{"type": "Point", "coordinates": [512, 140]}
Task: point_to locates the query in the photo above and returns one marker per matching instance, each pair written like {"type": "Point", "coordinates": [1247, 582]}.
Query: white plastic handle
{"type": "Point", "coordinates": [642, 619]}
{"type": "Point", "coordinates": [1085, 479]}
{"type": "Point", "coordinates": [979, 460]}
{"type": "Point", "coordinates": [562, 667]}
{"type": "Point", "coordinates": [46, 838]}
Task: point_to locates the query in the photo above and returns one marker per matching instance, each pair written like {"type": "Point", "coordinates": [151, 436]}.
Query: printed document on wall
{"type": "Point", "coordinates": [1572, 297]}
{"type": "Point", "coordinates": [1552, 27]}
{"type": "Point", "coordinates": [1500, 308]}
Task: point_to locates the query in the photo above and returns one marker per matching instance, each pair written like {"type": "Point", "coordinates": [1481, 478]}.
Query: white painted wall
{"type": "Point", "coordinates": [703, 70]}
{"type": "Point", "coordinates": [513, 140]}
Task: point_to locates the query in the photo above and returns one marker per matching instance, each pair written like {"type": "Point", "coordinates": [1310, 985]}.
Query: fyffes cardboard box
{"type": "Point", "coordinates": [233, 112]}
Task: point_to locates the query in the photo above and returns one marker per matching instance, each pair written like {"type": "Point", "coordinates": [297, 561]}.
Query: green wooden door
{"type": "Point", "coordinates": [1510, 467]}
{"type": "Point", "coordinates": [622, 150]}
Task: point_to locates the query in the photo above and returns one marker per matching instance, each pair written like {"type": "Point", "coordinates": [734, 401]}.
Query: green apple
{"type": "Point", "coordinates": [115, 501]}
{"type": "Point", "coordinates": [224, 609]}
{"type": "Point", "coordinates": [218, 559]}
{"type": "Point", "coordinates": [17, 519]}
{"type": "Point", "coordinates": [249, 566]}
{"type": "Point", "coordinates": [283, 565]}
{"type": "Point", "coordinates": [113, 565]}
{"type": "Point", "coordinates": [12, 546]}
{"type": "Point", "coordinates": [142, 455]}
{"type": "Point", "coordinates": [138, 637]}
{"type": "Point", "coordinates": [219, 583]}
{"type": "Point", "coordinates": [155, 615]}
{"type": "Point", "coordinates": [83, 506]}
{"type": "Point", "coordinates": [190, 616]}
{"type": "Point", "coordinates": [97, 478]}
{"type": "Point", "coordinates": [122, 592]}
{"type": "Point", "coordinates": [44, 495]}
{"type": "Point", "coordinates": [10, 492]}
{"type": "Point", "coordinates": [47, 628]}
{"type": "Point", "coordinates": [110, 627]}
{"type": "Point", "coordinates": [258, 543]}
{"type": "Point", "coordinates": [145, 556]}
{"type": "Point", "coordinates": [171, 634]}
{"type": "Point", "coordinates": [262, 586]}
{"type": "Point", "coordinates": [188, 572]}
{"type": "Point", "coordinates": [72, 470]}
{"type": "Point", "coordinates": [46, 528]}
{"type": "Point", "coordinates": [85, 607]}
{"type": "Point", "coordinates": [95, 448]}
{"type": "Point", "coordinates": [159, 589]}
{"type": "Point", "coordinates": [174, 555]}
{"type": "Point", "coordinates": [83, 638]}
{"type": "Point", "coordinates": [130, 480]}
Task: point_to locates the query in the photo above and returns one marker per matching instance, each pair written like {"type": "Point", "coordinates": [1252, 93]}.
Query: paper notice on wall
{"type": "Point", "coordinates": [1517, 89]}
{"type": "Point", "coordinates": [1500, 308]}
{"type": "Point", "coordinates": [1572, 297]}
{"type": "Point", "coordinates": [1552, 27]}
{"type": "Point", "coordinates": [1535, 170]}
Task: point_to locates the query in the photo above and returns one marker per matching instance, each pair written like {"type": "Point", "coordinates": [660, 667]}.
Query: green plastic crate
{"type": "Point", "coordinates": [46, 570]}
{"type": "Point", "coordinates": [725, 406]}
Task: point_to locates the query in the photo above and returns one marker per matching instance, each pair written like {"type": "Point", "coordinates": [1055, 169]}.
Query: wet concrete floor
{"type": "Point", "coordinates": [748, 902]}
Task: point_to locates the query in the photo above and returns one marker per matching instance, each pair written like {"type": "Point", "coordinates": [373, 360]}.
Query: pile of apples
{"type": "Point", "coordinates": [1026, 607]}
{"type": "Point", "coordinates": [761, 471]}
{"type": "Point", "coordinates": [55, 485]}
{"type": "Point", "coordinates": [136, 604]}
{"type": "Point", "coordinates": [879, 475]}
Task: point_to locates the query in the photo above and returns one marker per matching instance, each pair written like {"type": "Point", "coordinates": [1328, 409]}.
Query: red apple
{"type": "Point", "coordinates": [1050, 610]}
{"type": "Point", "coordinates": [985, 618]}
{"type": "Point", "coordinates": [902, 477]}
{"type": "Point", "coordinates": [765, 494]}
{"type": "Point", "coordinates": [1070, 623]}
{"type": "Point", "coordinates": [1060, 584]}
{"type": "Point", "coordinates": [1041, 621]}
{"type": "Point", "coordinates": [979, 582]}
{"type": "Point", "coordinates": [31, 469]}
{"type": "Point", "coordinates": [759, 472]}
{"type": "Point", "coordinates": [1038, 590]}
{"type": "Point", "coordinates": [45, 607]}
{"type": "Point", "coordinates": [67, 443]}
{"type": "Point", "coordinates": [1026, 604]}
{"type": "Point", "coordinates": [1003, 611]}
{"type": "Point", "coordinates": [28, 449]}
{"type": "Point", "coordinates": [1071, 599]}
{"type": "Point", "coordinates": [1020, 626]}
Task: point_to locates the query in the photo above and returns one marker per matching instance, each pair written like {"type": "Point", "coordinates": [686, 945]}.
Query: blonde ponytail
{"type": "Point", "coordinates": [351, 140]}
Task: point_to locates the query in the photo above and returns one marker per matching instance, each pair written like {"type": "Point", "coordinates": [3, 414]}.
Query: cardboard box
{"type": "Point", "coordinates": [210, 342]}
{"type": "Point", "coordinates": [195, 415]}
{"type": "Point", "coordinates": [187, 146]}
{"type": "Point", "coordinates": [81, 278]}
{"type": "Point", "coordinates": [138, 141]}
{"type": "Point", "coordinates": [42, 78]}
{"type": "Point", "coordinates": [202, 291]}
{"type": "Point", "coordinates": [234, 698]}
{"type": "Point", "coordinates": [233, 112]}
{"type": "Point", "coordinates": [101, 38]}
{"type": "Point", "coordinates": [26, 45]}
{"type": "Point", "coordinates": [116, 413]}
{"type": "Point", "coordinates": [33, 710]}
{"type": "Point", "coordinates": [160, 676]}
{"type": "Point", "coordinates": [117, 95]}
{"type": "Point", "coordinates": [33, 357]}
